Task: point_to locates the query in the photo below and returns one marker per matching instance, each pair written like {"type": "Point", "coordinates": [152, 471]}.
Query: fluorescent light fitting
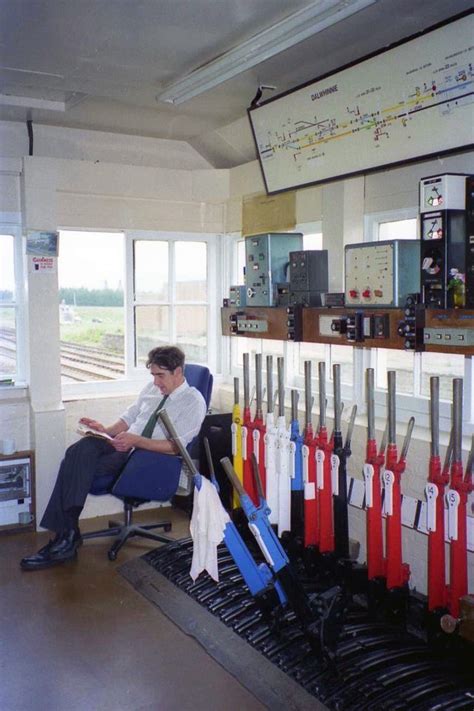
{"type": "Point", "coordinates": [30, 102]}
{"type": "Point", "coordinates": [281, 36]}
{"type": "Point", "coordinates": [32, 71]}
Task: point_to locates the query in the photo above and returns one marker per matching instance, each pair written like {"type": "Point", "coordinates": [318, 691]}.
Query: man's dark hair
{"type": "Point", "coordinates": [166, 357]}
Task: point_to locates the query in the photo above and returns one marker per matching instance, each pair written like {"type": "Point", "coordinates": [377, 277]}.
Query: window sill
{"type": "Point", "coordinates": [115, 388]}
{"type": "Point", "coordinates": [18, 391]}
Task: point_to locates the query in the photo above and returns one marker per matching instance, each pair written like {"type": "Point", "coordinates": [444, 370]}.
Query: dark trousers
{"type": "Point", "coordinates": [88, 458]}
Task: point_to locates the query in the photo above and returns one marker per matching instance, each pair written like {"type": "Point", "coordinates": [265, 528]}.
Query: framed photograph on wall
{"type": "Point", "coordinates": [42, 244]}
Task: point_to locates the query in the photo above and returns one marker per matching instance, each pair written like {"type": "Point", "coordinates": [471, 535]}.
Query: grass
{"type": "Point", "coordinates": [92, 324]}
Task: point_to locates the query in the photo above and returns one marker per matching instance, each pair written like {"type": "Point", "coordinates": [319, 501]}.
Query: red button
{"type": "Point", "coordinates": [366, 294]}
{"type": "Point", "coordinates": [353, 293]}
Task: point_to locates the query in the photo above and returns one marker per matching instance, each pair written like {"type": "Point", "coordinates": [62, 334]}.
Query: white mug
{"type": "Point", "coordinates": [7, 446]}
{"type": "Point", "coordinates": [25, 517]}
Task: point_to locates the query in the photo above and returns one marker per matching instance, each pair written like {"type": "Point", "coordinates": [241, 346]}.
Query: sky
{"type": "Point", "coordinates": [95, 260]}
{"type": "Point", "coordinates": [90, 259]}
{"type": "Point", "coordinates": [7, 278]}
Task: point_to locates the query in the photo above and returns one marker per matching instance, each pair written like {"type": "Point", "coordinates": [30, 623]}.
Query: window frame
{"type": "Point", "coordinates": [10, 224]}
{"type": "Point", "coordinates": [134, 375]}
{"type": "Point", "coordinates": [373, 220]}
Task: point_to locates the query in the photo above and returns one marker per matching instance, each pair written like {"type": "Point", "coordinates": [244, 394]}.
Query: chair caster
{"type": "Point", "coordinates": [112, 555]}
{"type": "Point", "coordinates": [167, 528]}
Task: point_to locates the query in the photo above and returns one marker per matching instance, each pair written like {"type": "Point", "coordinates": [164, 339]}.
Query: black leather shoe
{"type": "Point", "coordinates": [62, 548]}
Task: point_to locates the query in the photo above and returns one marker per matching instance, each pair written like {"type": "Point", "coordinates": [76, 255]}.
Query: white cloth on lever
{"type": "Point", "coordinates": [207, 526]}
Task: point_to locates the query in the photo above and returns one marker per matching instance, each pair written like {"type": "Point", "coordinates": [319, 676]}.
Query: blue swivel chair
{"type": "Point", "coordinates": [147, 476]}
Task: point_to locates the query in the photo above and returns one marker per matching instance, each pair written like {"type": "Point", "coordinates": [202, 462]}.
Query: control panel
{"type": "Point", "coordinates": [446, 257]}
{"type": "Point", "coordinates": [381, 273]}
{"type": "Point", "coordinates": [449, 337]}
{"type": "Point", "coordinates": [412, 328]}
{"type": "Point", "coordinates": [359, 326]}
{"type": "Point", "coordinates": [261, 322]}
{"type": "Point", "coordinates": [449, 331]}
{"type": "Point", "coordinates": [369, 328]}
{"type": "Point", "coordinates": [308, 277]}
{"type": "Point", "coordinates": [442, 192]}
{"type": "Point", "coordinates": [267, 264]}
{"type": "Point", "coordinates": [294, 323]}
{"type": "Point", "coordinates": [251, 325]}
{"type": "Point", "coordinates": [237, 295]}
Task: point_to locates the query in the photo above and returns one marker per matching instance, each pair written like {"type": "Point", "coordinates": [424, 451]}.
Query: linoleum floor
{"type": "Point", "coordinates": [79, 638]}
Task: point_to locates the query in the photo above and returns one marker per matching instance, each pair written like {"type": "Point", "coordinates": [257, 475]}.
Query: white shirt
{"type": "Point", "coordinates": [185, 406]}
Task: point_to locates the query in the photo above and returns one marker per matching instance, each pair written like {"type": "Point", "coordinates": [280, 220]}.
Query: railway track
{"type": "Point", "coordinates": [79, 363]}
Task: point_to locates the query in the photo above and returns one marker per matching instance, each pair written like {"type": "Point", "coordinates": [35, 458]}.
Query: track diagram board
{"type": "Point", "coordinates": [415, 99]}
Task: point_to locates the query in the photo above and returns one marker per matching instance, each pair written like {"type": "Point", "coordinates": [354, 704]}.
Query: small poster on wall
{"type": "Point", "coordinates": [42, 244]}
{"type": "Point", "coordinates": [42, 265]}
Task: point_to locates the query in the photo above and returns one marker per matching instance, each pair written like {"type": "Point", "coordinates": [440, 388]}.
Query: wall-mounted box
{"type": "Point", "coordinates": [381, 273]}
{"type": "Point", "coordinates": [17, 503]}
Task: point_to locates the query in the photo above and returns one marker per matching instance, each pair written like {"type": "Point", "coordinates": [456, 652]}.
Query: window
{"type": "Point", "coordinates": [446, 367]}
{"type": "Point", "coordinates": [8, 308]}
{"type": "Point", "coordinates": [173, 294]}
{"type": "Point", "coordinates": [240, 276]}
{"type": "Point", "coordinates": [151, 297]}
{"type": "Point", "coordinates": [394, 224]}
{"type": "Point", "coordinates": [314, 352]}
{"type": "Point", "coordinates": [312, 240]}
{"type": "Point", "coordinates": [252, 346]}
{"type": "Point", "coordinates": [402, 363]}
{"type": "Point", "coordinates": [122, 294]}
{"type": "Point", "coordinates": [399, 229]}
{"type": "Point", "coordinates": [191, 305]}
{"type": "Point", "coordinates": [171, 297]}
{"type": "Point", "coordinates": [12, 311]}
{"type": "Point", "coordinates": [91, 269]}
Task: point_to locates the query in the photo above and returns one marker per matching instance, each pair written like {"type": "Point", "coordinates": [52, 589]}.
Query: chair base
{"type": "Point", "coordinates": [123, 532]}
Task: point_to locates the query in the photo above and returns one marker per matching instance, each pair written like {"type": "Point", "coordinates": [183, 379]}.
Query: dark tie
{"type": "Point", "coordinates": [150, 425]}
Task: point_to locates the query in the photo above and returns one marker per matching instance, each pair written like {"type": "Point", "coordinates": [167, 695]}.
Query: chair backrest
{"type": "Point", "coordinates": [200, 378]}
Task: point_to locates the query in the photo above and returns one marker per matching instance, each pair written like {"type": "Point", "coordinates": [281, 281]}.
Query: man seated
{"type": "Point", "coordinates": [93, 456]}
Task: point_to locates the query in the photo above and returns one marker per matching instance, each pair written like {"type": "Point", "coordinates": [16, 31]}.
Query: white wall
{"type": "Point", "coordinates": [15, 417]}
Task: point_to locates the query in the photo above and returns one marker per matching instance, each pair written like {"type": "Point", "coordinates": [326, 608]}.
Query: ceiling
{"type": "Point", "coordinates": [105, 62]}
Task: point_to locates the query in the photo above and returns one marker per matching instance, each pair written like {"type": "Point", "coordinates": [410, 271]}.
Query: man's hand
{"type": "Point", "coordinates": [93, 424]}
{"type": "Point", "coordinates": [125, 441]}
